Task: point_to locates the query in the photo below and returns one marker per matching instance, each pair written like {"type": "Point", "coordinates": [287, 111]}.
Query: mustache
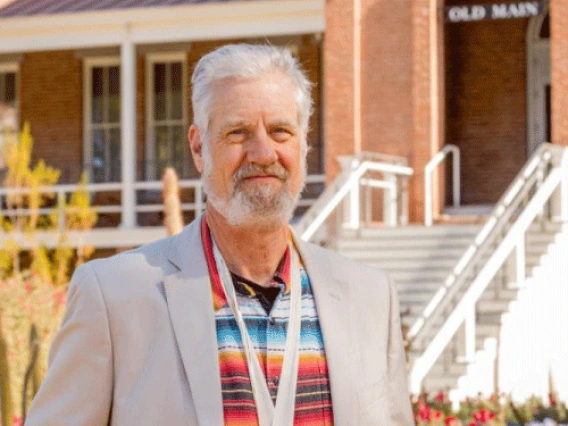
{"type": "Point", "coordinates": [252, 169]}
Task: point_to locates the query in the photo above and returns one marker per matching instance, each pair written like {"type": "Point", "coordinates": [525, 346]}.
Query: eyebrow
{"type": "Point", "coordinates": [236, 122]}
{"type": "Point", "coordinates": [283, 123]}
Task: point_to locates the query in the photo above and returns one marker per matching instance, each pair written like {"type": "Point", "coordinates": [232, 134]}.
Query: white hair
{"type": "Point", "coordinates": [247, 61]}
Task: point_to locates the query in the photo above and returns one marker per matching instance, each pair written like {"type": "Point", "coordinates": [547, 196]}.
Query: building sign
{"type": "Point", "coordinates": [521, 9]}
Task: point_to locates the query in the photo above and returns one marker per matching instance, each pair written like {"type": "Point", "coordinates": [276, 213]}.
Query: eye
{"type": "Point", "coordinates": [281, 134]}
{"type": "Point", "coordinates": [237, 135]}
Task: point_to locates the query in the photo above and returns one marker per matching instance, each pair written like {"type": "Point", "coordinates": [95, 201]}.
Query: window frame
{"type": "Point", "coordinates": [88, 65]}
{"type": "Point", "coordinates": [5, 68]}
{"type": "Point", "coordinates": [151, 123]}
{"type": "Point", "coordinates": [13, 67]}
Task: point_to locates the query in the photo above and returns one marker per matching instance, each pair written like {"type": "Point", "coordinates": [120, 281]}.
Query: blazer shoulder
{"type": "Point", "coordinates": [345, 268]}
{"type": "Point", "coordinates": [139, 265]}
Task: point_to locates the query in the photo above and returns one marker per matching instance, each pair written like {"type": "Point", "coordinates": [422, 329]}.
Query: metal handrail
{"type": "Point", "coordinates": [345, 183]}
{"type": "Point", "coordinates": [507, 208]}
{"type": "Point", "coordinates": [429, 170]}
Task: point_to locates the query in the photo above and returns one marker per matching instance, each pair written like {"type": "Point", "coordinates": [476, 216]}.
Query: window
{"type": "Point", "coordinates": [8, 102]}
{"type": "Point", "coordinates": [102, 120]}
{"type": "Point", "coordinates": [8, 86]}
{"type": "Point", "coordinates": [166, 114]}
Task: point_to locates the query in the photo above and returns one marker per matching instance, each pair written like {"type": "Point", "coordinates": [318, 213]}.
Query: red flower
{"type": "Point", "coordinates": [28, 287]}
{"type": "Point", "coordinates": [424, 412]}
{"type": "Point", "coordinates": [450, 421]}
{"type": "Point", "coordinates": [440, 397]}
{"type": "Point", "coordinates": [483, 415]}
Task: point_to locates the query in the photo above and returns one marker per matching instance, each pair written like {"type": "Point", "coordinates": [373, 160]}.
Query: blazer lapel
{"type": "Point", "coordinates": [190, 305]}
{"type": "Point", "coordinates": [332, 303]}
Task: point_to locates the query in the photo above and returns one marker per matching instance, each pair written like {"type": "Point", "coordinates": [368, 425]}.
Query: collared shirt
{"type": "Point", "coordinates": [267, 331]}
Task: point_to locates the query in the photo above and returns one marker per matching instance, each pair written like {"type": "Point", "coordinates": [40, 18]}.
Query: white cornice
{"type": "Point", "coordinates": [162, 25]}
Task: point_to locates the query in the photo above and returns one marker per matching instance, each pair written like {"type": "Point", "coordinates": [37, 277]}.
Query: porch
{"type": "Point", "coordinates": [107, 92]}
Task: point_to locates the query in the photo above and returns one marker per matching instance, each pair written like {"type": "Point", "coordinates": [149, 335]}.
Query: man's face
{"type": "Point", "coordinates": [252, 163]}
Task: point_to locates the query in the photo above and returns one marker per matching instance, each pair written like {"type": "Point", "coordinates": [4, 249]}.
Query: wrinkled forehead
{"type": "Point", "coordinates": [237, 98]}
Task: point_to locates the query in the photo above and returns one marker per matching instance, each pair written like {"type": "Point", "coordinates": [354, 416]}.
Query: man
{"type": "Point", "coordinates": [233, 321]}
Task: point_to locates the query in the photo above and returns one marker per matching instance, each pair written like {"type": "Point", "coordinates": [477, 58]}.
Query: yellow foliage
{"type": "Point", "coordinates": [79, 215]}
{"type": "Point", "coordinates": [28, 183]}
{"type": "Point", "coordinates": [35, 298]}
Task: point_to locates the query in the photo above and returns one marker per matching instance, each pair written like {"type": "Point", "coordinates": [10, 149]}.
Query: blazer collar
{"type": "Point", "coordinates": [332, 297]}
{"type": "Point", "coordinates": [190, 305]}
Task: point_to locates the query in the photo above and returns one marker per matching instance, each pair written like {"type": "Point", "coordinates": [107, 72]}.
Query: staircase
{"type": "Point", "coordinates": [455, 282]}
{"type": "Point", "coordinates": [420, 258]}
{"type": "Point", "coordinates": [417, 258]}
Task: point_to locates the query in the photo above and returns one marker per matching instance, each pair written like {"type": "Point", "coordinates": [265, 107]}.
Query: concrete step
{"type": "Point", "coordinates": [455, 369]}
{"type": "Point", "coordinates": [398, 243]}
{"type": "Point", "coordinates": [408, 264]}
{"type": "Point", "coordinates": [493, 306]}
{"type": "Point", "coordinates": [436, 383]}
{"type": "Point", "coordinates": [546, 226]}
{"type": "Point", "coordinates": [412, 231]}
{"type": "Point", "coordinates": [539, 238]}
{"type": "Point", "coordinates": [363, 250]}
{"type": "Point", "coordinates": [417, 287]}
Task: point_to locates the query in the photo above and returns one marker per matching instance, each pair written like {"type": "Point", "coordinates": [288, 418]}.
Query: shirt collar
{"type": "Point", "coordinates": [282, 274]}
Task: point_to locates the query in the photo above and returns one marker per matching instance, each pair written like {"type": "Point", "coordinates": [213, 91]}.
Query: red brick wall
{"type": "Point", "coordinates": [395, 113]}
{"type": "Point", "coordinates": [387, 77]}
{"type": "Point", "coordinates": [338, 82]}
{"type": "Point", "coordinates": [51, 101]}
{"type": "Point", "coordinates": [486, 104]}
{"type": "Point", "coordinates": [427, 136]}
{"type": "Point", "coordinates": [559, 57]}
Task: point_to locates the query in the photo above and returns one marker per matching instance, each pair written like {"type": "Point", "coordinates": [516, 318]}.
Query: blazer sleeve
{"type": "Point", "coordinates": [78, 387]}
{"type": "Point", "coordinates": [398, 393]}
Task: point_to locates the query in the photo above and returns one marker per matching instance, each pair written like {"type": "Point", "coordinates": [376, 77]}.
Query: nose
{"type": "Point", "coordinates": [262, 149]}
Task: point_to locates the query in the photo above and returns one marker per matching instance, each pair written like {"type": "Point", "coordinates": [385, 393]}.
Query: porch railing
{"type": "Point", "coordinates": [106, 199]}
{"type": "Point", "coordinates": [370, 170]}
{"type": "Point", "coordinates": [456, 182]}
{"type": "Point", "coordinates": [540, 189]}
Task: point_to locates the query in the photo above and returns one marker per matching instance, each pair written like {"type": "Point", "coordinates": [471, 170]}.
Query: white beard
{"type": "Point", "coordinates": [264, 207]}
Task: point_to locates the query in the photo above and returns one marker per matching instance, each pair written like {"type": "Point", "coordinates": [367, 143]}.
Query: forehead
{"type": "Point", "coordinates": [271, 96]}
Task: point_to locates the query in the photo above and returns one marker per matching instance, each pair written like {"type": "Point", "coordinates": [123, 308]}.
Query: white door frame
{"type": "Point", "coordinates": [538, 77]}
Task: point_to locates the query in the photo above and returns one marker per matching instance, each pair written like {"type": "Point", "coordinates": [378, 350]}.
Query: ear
{"type": "Point", "coordinates": [195, 146]}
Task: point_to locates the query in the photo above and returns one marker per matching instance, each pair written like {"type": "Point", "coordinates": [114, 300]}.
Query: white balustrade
{"type": "Point", "coordinates": [428, 177]}
{"type": "Point", "coordinates": [546, 173]}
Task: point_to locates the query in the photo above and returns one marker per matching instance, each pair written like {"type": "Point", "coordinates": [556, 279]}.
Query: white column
{"type": "Point", "coordinates": [128, 132]}
{"type": "Point", "coordinates": [355, 201]}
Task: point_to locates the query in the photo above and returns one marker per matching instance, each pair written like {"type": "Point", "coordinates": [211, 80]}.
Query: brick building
{"type": "Point", "coordinates": [104, 85]}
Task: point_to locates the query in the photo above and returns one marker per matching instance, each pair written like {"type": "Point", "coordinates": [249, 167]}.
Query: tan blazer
{"type": "Point", "coordinates": [138, 346]}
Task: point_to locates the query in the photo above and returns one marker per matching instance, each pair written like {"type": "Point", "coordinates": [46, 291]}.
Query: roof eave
{"type": "Point", "coordinates": [161, 24]}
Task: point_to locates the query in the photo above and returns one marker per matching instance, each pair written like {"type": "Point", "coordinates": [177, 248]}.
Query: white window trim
{"type": "Point", "coordinates": [9, 67]}
{"type": "Point", "coordinates": [151, 59]}
{"type": "Point", "coordinates": [88, 64]}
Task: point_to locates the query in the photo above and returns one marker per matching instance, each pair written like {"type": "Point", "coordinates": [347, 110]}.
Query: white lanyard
{"type": "Point", "coordinates": [283, 413]}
